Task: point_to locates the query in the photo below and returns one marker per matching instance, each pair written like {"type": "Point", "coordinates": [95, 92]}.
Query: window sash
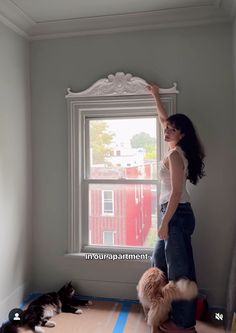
{"type": "Point", "coordinates": [86, 135]}
{"type": "Point", "coordinates": [85, 223]}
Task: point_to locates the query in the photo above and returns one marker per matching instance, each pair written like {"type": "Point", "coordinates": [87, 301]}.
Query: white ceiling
{"type": "Point", "coordinates": [37, 19]}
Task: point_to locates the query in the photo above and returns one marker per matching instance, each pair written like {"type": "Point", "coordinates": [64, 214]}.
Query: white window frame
{"type": "Point", "coordinates": [103, 201]}
{"type": "Point", "coordinates": [121, 95]}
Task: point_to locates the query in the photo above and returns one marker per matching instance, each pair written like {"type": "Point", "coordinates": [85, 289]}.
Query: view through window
{"type": "Point", "coordinates": [122, 156]}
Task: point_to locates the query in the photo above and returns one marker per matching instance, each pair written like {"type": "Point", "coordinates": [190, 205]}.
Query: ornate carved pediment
{"type": "Point", "coordinates": [118, 85]}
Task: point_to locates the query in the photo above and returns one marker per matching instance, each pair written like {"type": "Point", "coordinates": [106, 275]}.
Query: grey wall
{"type": "Point", "coordinates": [234, 70]}
{"type": "Point", "coordinates": [15, 171]}
{"type": "Point", "coordinates": [200, 60]}
{"type": "Point", "coordinates": [231, 292]}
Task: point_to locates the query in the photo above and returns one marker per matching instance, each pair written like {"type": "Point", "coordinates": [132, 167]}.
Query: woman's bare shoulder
{"type": "Point", "coordinates": [175, 157]}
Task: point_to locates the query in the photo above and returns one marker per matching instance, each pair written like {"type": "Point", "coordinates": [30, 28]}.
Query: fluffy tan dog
{"type": "Point", "coordinates": [156, 295]}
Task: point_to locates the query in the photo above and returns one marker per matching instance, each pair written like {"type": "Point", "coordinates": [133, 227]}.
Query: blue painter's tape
{"type": "Point", "coordinates": [29, 299]}
{"type": "Point", "coordinates": [122, 319]}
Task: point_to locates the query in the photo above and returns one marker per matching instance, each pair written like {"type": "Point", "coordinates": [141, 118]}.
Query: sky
{"type": "Point", "coordinates": [125, 129]}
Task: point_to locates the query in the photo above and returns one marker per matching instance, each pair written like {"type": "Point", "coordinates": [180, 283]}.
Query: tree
{"type": "Point", "coordinates": [100, 140]}
{"type": "Point", "coordinates": [144, 140]}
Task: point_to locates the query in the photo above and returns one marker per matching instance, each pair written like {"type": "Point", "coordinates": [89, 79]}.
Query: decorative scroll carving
{"type": "Point", "coordinates": [118, 85]}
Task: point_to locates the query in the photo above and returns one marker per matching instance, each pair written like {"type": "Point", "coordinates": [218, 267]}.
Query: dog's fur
{"type": "Point", "coordinates": [156, 295]}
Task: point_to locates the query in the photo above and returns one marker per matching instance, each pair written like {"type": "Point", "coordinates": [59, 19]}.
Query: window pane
{"type": "Point", "coordinates": [108, 207]}
{"type": "Point", "coordinates": [108, 238]}
{"type": "Point", "coordinates": [107, 195]}
{"type": "Point", "coordinates": [122, 148]}
{"type": "Point", "coordinates": [134, 219]}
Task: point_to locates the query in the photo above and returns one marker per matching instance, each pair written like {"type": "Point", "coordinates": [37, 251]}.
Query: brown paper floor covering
{"type": "Point", "coordinates": [102, 316]}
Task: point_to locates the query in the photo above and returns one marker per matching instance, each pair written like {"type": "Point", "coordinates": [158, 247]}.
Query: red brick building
{"type": "Point", "coordinates": [120, 214]}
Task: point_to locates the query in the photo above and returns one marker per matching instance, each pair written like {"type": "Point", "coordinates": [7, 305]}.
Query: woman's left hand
{"type": "Point", "coordinates": [163, 231]}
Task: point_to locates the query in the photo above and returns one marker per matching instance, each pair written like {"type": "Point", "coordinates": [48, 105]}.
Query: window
{"type": "Point", "coordinates": [108, 238]}
{"type": "Point", "coordinates": [115, 144]}
{"type": "Point", "coordinates": [107, 202]}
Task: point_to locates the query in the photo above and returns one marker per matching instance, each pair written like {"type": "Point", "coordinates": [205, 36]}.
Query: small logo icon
{"type": "Point", "coordinates": [15, 316]}
{"type": "Point", "coordinates": [219, 316]}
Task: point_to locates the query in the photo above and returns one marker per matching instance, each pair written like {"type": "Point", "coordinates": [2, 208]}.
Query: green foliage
{"type": "Point", "coordinates": [100, 140]}
{"type": "Point", "coordinates": [144, 140]}
{"type": "Point", "coordinates": [151, 153]}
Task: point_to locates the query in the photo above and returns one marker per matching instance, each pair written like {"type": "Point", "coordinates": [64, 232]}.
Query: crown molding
{"type": "Point", "coordinates": [129, 22]}
{"type": "Point", "coordinates": [13, 17]}
{"type": "Point", "coordinates": [16, 19]}
{"type": "Point", "coordinates": [13, 27]}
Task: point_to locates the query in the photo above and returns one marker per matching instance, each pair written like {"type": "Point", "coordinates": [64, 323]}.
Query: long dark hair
{"type": "Point", "coordinates": [191, 146]}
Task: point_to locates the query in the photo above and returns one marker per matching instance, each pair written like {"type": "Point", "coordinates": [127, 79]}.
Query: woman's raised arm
{"type": "Point", "coordinates": [154, 90]}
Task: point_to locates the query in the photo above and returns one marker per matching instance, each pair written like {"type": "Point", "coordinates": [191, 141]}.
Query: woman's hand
{"type": "Point", "coordinates": [163, 231]}
{"type": "Point", "coordinates": [154, 90]}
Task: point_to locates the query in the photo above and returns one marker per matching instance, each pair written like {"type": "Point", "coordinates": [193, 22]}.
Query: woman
{"type": "Point", "coordinates": [173, 252]}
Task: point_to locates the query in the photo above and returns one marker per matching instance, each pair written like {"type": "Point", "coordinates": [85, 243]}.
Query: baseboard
{"type": "Point", "coordinates": [13, 301]}
{"type": "Point", "coordinates": [108, 289]}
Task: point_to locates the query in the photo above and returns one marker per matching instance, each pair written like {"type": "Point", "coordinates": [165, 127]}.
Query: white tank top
{"type": "Point", "coordinates": [164, 174]}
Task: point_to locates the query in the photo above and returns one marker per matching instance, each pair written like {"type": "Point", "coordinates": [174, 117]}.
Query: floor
{"type": "Point", "coordinates": [110, 317]}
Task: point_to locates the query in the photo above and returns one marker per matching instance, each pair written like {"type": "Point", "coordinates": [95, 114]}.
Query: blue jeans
{"type": "Point", "coordinates": [174, 257]}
